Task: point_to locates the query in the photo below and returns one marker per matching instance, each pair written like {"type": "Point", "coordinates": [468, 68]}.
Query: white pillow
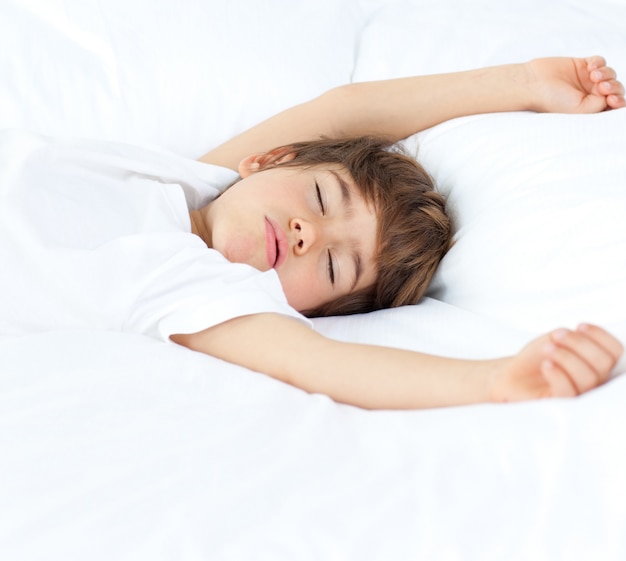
{"type": "Point", "coordinates": [539, 202]}
{"type": "Point", "coordinates": [183, 74]}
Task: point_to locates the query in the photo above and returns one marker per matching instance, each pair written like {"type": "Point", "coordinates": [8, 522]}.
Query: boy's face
{"type": "Point", "coordinates": [312, 225]}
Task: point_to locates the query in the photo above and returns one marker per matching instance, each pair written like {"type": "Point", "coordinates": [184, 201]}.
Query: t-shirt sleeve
{"type": "Point", "coordinates": [198, 288]}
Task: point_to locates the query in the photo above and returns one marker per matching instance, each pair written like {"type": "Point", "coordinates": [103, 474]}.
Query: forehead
{"type": "Point", "coordinates": [355, 197]}
{"type": "Point", "coordinates": [342, 173]}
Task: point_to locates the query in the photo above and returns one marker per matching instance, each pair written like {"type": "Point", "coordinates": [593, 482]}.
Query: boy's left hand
{"type": "Point", "coordinates": [562, 363]}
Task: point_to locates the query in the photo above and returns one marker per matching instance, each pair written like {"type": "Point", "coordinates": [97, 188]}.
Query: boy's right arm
{"type": "Point", "coordinates": [562, 363]}
{"type": "Point", "coordinates": [400, 107]}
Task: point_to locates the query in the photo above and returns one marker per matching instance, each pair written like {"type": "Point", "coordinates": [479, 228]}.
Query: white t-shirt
{"type": "Point", "coordinates": [97, 235]}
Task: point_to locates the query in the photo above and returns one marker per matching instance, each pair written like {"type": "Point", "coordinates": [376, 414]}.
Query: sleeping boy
{"type": "Point", "coordinates": [324, 218]}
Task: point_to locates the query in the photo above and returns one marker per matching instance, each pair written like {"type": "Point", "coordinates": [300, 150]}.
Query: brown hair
{"type": "Point", "coordinates": [414, 231]}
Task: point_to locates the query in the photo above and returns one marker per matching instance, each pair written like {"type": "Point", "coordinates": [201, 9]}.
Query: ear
{"type": "Point", "coordinates": [258, 162]}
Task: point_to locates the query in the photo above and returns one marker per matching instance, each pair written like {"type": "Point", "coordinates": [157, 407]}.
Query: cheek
{"type": "Point", "coordinates": [239, 248]}
{"type": "Point", "coordinates": [303, 290]}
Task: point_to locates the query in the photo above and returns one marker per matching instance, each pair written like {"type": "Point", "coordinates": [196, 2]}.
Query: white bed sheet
{"type": "Point", "coordinates": [157, 453]}
{"type": "Point", "coordinates": [114, 446]}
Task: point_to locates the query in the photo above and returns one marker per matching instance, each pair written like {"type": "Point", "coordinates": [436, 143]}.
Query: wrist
{"type": "Point", "coordinates": [496, 370]}
{"type": "Point", "coordinates": [524, 86]}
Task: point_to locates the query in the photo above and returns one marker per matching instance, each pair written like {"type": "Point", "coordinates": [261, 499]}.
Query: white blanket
{"type": "Point", "coordinates": [115, 446]}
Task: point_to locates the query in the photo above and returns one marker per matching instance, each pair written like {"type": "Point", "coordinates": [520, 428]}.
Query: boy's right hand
{"type": "Point", "coordinates": [562, 363]}
{"type": "Point", "coordinates": [574, 85]}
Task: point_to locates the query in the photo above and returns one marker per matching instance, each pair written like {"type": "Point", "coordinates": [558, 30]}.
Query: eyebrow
{"type": "Point", "coordinates": [346, 199]}
{"type": "Point", "coordinates": [358, 268]}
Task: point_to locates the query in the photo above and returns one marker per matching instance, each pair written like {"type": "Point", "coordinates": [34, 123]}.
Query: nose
{"type": "Point", "coordinates": [304, 234]}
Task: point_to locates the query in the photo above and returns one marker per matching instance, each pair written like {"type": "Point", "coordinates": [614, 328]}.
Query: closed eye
{"type": "Point", "coordinates": [319, 199]}
{"type": "Point", "coordinates": [331, 270]}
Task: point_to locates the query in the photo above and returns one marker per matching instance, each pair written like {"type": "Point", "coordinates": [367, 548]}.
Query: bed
{"type": "Point", "coordinates": [116, 446]}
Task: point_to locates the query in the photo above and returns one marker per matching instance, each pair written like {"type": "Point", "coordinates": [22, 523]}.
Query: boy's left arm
{"type": "Point", "coordinates": [562, 363]}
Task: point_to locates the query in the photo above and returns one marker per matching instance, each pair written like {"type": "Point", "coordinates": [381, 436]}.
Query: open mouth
{"type": "Point", "coordinates": [275, 243]}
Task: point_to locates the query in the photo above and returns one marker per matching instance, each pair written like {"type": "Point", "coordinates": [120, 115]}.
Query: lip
{"type": "Point", "coordinates": [275, 243]}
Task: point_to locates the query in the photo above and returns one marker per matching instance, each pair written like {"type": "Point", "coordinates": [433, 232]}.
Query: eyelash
{"type": "Point", "coordinates": [331, 269]}
{"type": "Point", "coordinates": [319, 199]}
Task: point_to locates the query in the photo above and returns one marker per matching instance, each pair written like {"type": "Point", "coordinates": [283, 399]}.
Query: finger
{"type": "Point", "coordinates": [582, 375]}
{"type": "Point", "coordinates": [559, 383]}
{"type": "Point", "coordinates": [595, 61]}
{"type": "Point", "coordinates": [603, 338]}
{"type": "Point", "coordinates": [611, 87]}
{"type": "Point", "coordinates": [587, 355]}
{"type": "Point", "coordinates": [613, 91]}
{"type": "Point", "coordinates": [603, 74]}
{"type": "Point", "coordinates": [615, 101]}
